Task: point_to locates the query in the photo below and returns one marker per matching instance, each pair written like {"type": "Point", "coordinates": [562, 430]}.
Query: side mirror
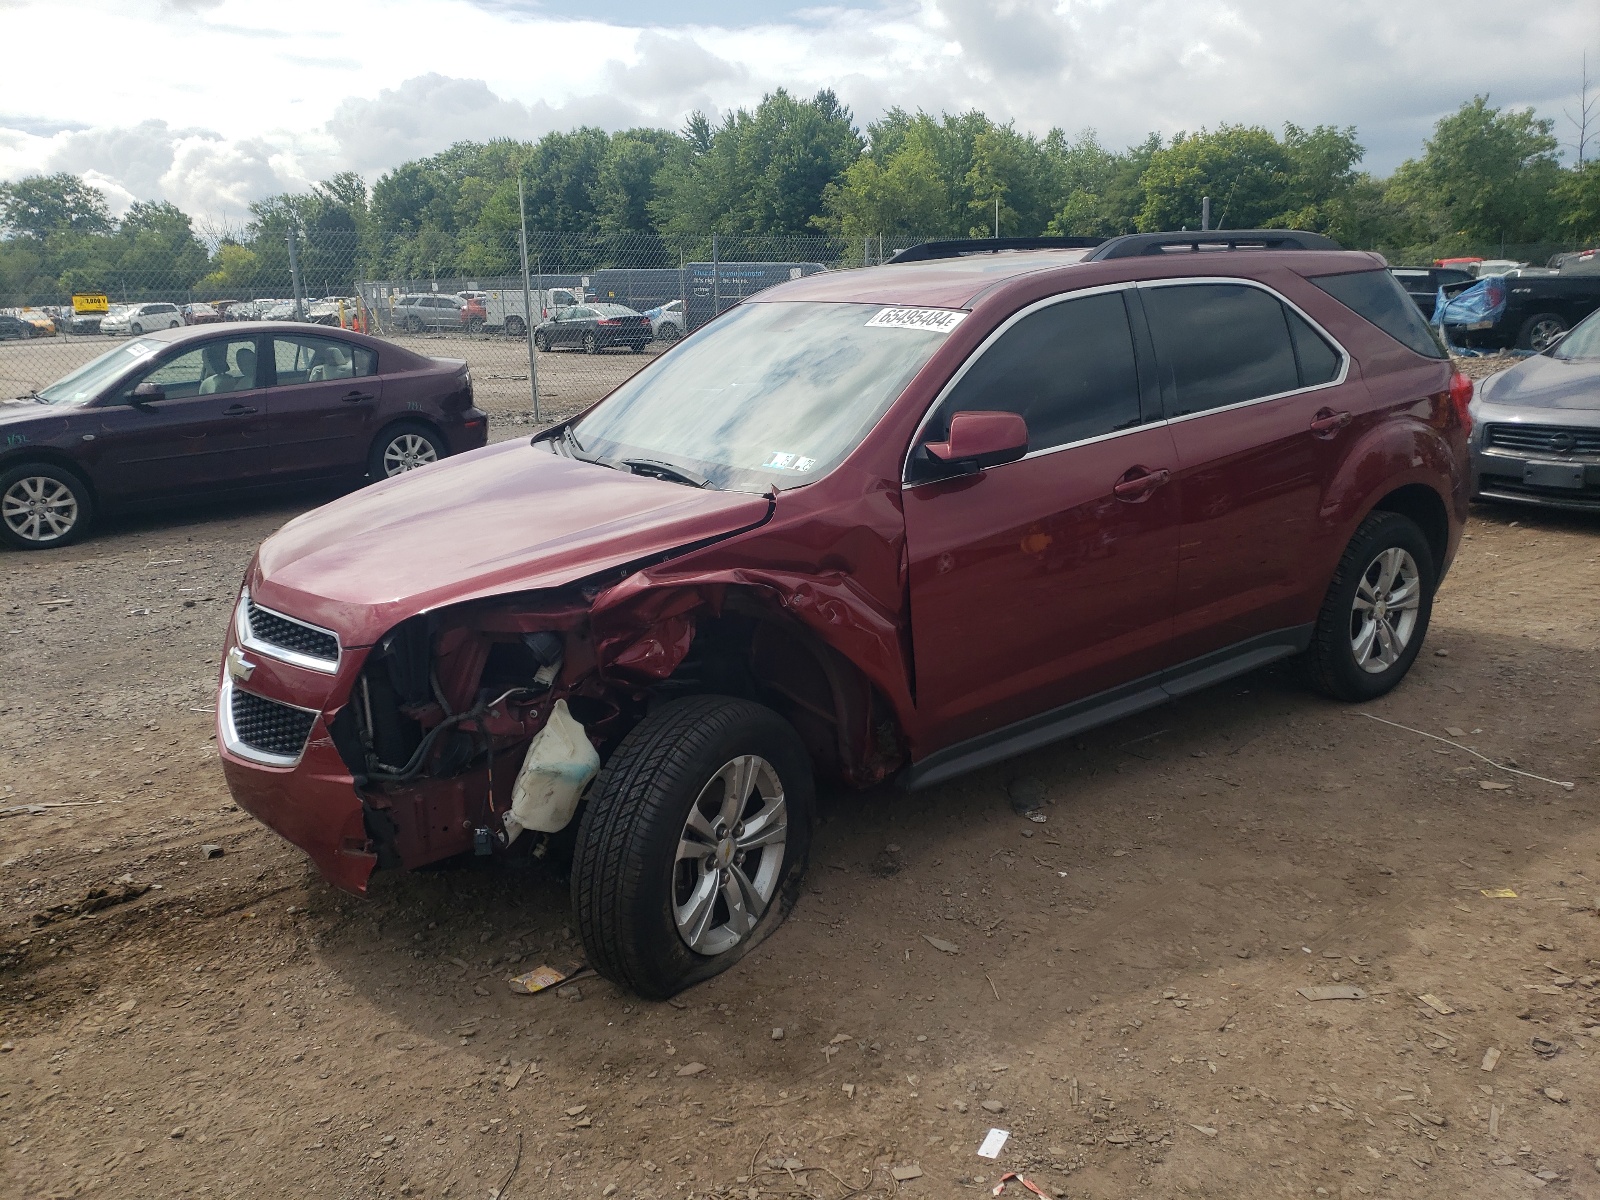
{"type": "Point", "coordinates": [981, 439]}
{"type": "Point", "coordinates": [149, 393]}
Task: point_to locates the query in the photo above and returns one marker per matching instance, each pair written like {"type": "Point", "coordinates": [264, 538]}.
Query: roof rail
{"type": "Point", "coordinates": [961, 247]}
{"type": "Point", "coordinates": [1133, 245]}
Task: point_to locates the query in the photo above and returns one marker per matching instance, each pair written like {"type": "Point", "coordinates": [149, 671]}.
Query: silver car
{"type": "Point", "coordinates": [135, 319]}
{"type": "Point", "coordinates": [1536, 427]}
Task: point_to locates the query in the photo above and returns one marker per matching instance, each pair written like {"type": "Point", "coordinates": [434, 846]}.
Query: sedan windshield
{"type": "Point", "coordinates": [771, 393]}
{"type": "Point", "coordinates": [89, 380]}
{"type": "Point", "coordinates": [1582, 344]}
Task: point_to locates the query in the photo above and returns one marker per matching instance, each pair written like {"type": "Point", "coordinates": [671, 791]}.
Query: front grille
{"type": "Point", "coordinates": [288, 634]}
{"type": "Point", "coordinates": [1546, 439]}
{"type": "Point", "coordinates": [268, 727]}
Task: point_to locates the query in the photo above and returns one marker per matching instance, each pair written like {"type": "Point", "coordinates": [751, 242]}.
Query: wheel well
{"type": "Point", "coordinates": [747, 650]}
{"type": "Point", "coordinates": [39, 454]}
{"type": "Point", "coordinates": [1424, 506]}
{"type": "Point", "coordinates": [410, 419]}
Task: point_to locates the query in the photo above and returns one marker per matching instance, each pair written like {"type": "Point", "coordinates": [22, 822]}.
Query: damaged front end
{"type": "Point", "coordinates": [478, 728]}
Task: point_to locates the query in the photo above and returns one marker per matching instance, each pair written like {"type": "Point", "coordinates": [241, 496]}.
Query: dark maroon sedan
{"type": "Point", "coordinates": [199, 411]}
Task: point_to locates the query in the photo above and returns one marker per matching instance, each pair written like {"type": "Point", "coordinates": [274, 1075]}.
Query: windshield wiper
{"type": "Point", "coordinates": [668, 472]}
{"type": "Point", "coordinates": [33, 396]}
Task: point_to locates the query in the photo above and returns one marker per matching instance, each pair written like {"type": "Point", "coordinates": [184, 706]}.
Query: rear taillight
{"type": "Point", "coordinates": [1461, 398]}
{"type": "Point", "coordinates": [607, 321]}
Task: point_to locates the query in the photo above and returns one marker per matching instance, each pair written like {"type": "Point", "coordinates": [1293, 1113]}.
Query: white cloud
{"type": "Point", "coordinates": [280, 95]}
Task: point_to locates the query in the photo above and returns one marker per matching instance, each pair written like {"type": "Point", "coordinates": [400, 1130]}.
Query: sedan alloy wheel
{"type": "Point", "coordinates": [40, 510]}
{"type": "Point", "coordinates": [406, 452]}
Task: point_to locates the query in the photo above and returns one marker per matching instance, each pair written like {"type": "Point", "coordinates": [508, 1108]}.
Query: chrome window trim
{"type": "Point", "coordinates": [248, 639]}
{"type": "Point", "coordinates": [230, 735]}
{"type": "Point", "coordinates": [1344, 366]}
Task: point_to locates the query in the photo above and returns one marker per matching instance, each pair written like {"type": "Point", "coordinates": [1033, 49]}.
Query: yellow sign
{"type": "Point", "coordinates": [93, 303]}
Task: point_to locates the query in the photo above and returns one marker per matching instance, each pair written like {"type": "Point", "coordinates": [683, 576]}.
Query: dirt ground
{"type": "Point", "coordinates": [1121, 995]}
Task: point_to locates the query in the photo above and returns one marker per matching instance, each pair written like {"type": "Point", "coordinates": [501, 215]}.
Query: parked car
{"type": "Point", "coordinates": [1496, 266]}
{"type": "Point", "coordinates": [43, 323]}
{"type": "Point", "coordinates": [666, 322]}
{"type": "Point", "coordinates": [427, 311]}
{"type": "Point", "coordinates": [201, 411]}
{"type": "Point", "coordinates": [134, 319]}
{"type": "Point", "coordinates": [1538, 310]}
{"type": "Point", "coordinates": [200, 314]}
{"type": "Point", "coordinates": [1536, 426]}
{"type": "Point", "coordinates": [898, 522]}
{"type": "Point", "coordinates": [14, 328]}
{"type": "Point", "coordinates": [594, 327]}
{"type": "Point", "coordinates": [1422, 284]}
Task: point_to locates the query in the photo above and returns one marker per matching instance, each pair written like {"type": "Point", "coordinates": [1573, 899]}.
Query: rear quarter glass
{"type": "Point", "coordinates": [1377, 297]}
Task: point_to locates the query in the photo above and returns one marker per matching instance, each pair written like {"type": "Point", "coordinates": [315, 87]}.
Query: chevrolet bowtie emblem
{"type": "Point", "coordinates": [239, 667]}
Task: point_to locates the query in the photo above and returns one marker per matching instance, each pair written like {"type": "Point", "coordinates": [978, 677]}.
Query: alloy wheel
{"type": "Point", "coordinates": [730, 855]}
{"type": "Point", "coordinates": [407, 452]}
{"type": "Point", "coordinates": [1384, 614]}
{"type": "Point", "coordinates": [39, 509]}
{"type": "Point", "coordinates": [1544, 334]}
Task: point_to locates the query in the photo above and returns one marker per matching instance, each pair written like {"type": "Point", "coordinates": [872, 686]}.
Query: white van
{"type": "Point", "coordinates": [506, 310]}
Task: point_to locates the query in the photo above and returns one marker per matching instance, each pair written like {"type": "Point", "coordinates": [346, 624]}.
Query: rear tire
{"type": "Point", "coordinates": [1540, 331]}
{"type": "Point", "coordinates": [676, 877]}
{"type": "Point", "coordinates": [475, 325]}
{"type": "Point", "coordinates": [668, 333]}
{"type": "Point", "coordinates": [43, 506]}
{"type": "Point", "coordinates": [404, 447]}
{"type": "Point", "coordinates": [591, 344]}
{"type": "Point", "coordinates": [136, 328]}
{"type": "Point", "coordinates": [1376, 612]}
{"type": "Point", "coordinates": [515, 327]}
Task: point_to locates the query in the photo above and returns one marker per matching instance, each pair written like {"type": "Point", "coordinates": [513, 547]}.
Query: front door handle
{"type": "Point", "coordinates": [1136, 484]}
{"type": "Point", "coordinates": [354, 397]}
{"type": "Point", "coordinates": [1327, 422]}
{"type": "Point", "coordinates": [237, 410]}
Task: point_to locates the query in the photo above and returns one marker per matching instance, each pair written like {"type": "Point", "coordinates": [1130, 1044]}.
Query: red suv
{"type": "Point", "coordinates": [897, 523]}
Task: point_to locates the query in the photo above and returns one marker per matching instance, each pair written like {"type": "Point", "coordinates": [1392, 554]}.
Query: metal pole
{"type": "Point", "coordinates": [1205, 212]}
{"type": "Point", "coordinates": [294, 277]}
{"type": "Point", "coordinates": [527, 304]}
{"type": "Point", "coordinates": [997, 214]}
{"type": "Point", "coordinates": [716, 279]}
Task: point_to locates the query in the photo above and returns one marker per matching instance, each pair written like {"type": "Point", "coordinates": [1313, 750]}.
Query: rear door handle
{"type": "Point", "coordinates": [1136, 483]}
{"type": "Point", "coordinates": [353, 397]}
{"type": "Point", "coordinates": [1327, 422]}
{"type": "Point", "coordinates": [238, 410]}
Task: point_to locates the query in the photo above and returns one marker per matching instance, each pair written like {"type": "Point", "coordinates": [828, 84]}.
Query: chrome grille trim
{"type": "Point", "coordinates": [288, 639]}
{"type": "Point", "coordinates": [259, 711]}
{"type": "Point", "coordinates": [1569, 441]}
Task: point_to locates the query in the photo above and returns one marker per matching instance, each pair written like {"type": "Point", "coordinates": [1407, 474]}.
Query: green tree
{"type": "Point", "coordinates": [1487, 175]}
{"type": "Point", "coordinates": [1245, 170]}
{"type": "Point", "coordinates": [42, 205]}
{"type": "Point", "coordinates": [1578, 194]}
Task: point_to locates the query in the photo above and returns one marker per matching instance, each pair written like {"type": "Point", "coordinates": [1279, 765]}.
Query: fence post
{"type": "Point", "coordinates": [294, 277]}
{"type": "Point", "coordinates": [1205, 213]}
{"type": "Point", "coordinates": [716, 279]}
{"type": "Point", "coordinates": [527, 303]}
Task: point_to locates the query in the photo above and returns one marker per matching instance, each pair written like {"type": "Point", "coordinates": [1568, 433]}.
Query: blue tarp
{"type": "Point", "coordinates": [1481, 304]}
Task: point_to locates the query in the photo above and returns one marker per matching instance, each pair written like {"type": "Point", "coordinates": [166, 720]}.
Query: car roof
{"type": "Point", "coordinates": [959, 282]}
{"type": "Point", "coordinates": [230, 329]}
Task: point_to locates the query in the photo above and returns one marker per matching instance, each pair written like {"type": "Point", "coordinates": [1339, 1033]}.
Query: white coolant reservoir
{"type": "Point", "coordinates": [559, 765]}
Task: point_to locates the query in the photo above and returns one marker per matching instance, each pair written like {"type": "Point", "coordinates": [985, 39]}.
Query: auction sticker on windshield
{"type": "Point", "coordinates": [789, 462]}
{"type": "Point", "coordinates": [935, 320]}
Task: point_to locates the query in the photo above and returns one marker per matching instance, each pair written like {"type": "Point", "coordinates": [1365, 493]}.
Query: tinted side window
{"type": "Point", "coordinates": [1319, 362]}
{"type": "Point", "coordinates": [1376, 296]}
{"type": "Point", "coordinates": [1219, 344]}
{"type": "Point", "coordinates": [1068, 369]}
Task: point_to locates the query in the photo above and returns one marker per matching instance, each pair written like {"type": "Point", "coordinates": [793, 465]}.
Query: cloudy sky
{"type": "Point", "coordinates": [215, 103]}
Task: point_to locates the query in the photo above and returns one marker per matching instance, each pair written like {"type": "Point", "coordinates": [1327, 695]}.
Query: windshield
{"type": "Point", "coordinates": [771, 393]}
{"type": "Point", "coordinates": [89, 380]}
{"type": "Point", "coordinates": [1582, 343]}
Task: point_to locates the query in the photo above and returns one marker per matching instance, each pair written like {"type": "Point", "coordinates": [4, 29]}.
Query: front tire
{"type": "Point", "coordinates": [136, 328]}
{"type": "Point", "coordinates": [43, 506]}
{"type": "Point", "coordinates": [541, 343]}
{"type": "Point", "coordinates": [692, 843]}
{"type": "Point", "coordinates": [668, 333]}
{"type": "Point", "coordinates": [1376, 611]}
{"type": "Point", "coordinates": [404, 447]}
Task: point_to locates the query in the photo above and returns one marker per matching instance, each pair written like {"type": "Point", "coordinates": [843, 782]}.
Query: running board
{"type": "Point", "coordinates": [1105, 707]}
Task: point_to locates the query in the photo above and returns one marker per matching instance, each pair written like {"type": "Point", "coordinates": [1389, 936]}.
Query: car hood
{"type": "Point", "coordinates": [18, 412]}
{"type": "Point", "coordinates": [1544, 383]}
{"type": "Point", "coordinates": [508, 518]}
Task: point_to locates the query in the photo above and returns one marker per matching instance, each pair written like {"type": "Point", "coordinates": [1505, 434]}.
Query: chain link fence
{"type": "Point", "coordinates": [588, 313]}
